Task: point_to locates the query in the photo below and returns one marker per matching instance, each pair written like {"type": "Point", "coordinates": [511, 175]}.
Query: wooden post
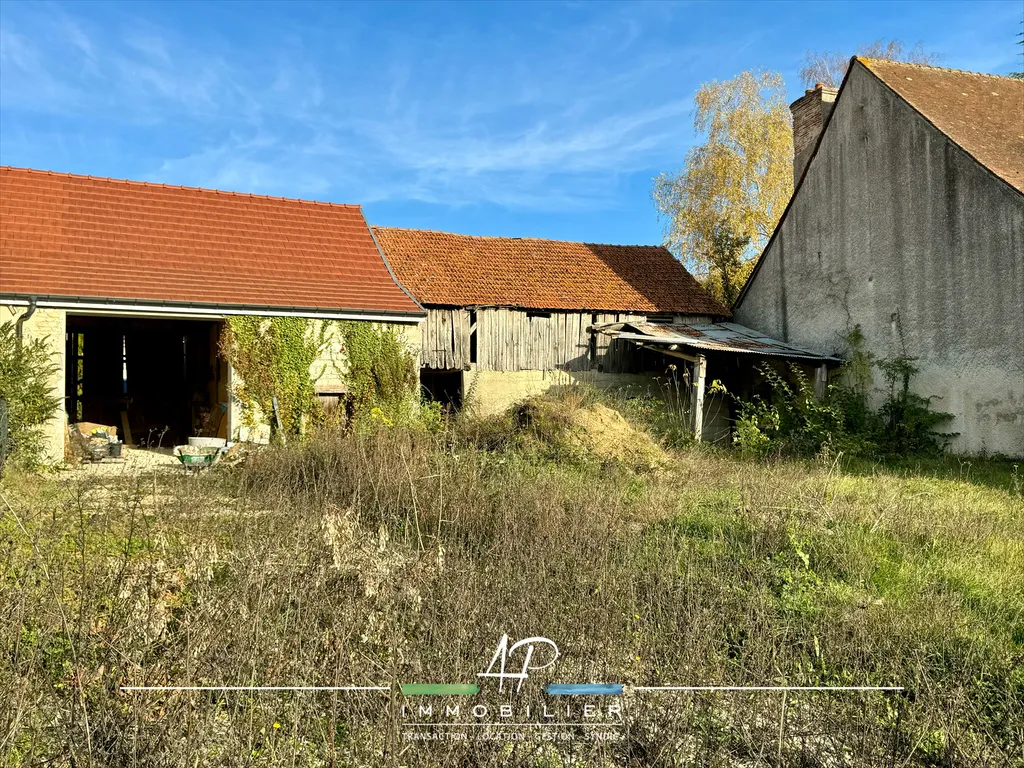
{"type": "Point", "coordinates": [820, 381]}
{"type": "Point", "coordinates": [700, 367]}
{"type": "Point", "coordinates": [277, 420]}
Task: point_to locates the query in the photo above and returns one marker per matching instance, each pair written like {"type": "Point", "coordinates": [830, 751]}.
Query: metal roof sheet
{"type": "Point", "coordinates": [715, 337]}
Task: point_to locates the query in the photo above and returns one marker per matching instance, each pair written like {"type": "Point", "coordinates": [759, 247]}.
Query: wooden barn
{"type": "Point", "coordinates": [508, 318]}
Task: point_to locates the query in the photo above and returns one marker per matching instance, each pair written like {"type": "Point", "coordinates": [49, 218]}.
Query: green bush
{"type": "Point", "coordinates": [794, 421]}
{"type": "Point", "coordinates": [754, 428]}
{"type": "Point", "coordinates": [908, 424]}
{"type": "Point", "coordinates": [25, 371]}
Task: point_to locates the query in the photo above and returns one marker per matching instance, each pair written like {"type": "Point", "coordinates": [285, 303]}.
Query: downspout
{"type": "Point", "coordinates": [18, 330]}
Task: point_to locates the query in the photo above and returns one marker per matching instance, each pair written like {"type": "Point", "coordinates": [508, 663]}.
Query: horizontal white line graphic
{"type": "Point", "coordinates": [128, 688]}
{"type": "Point", "coordinates": [779, 688]}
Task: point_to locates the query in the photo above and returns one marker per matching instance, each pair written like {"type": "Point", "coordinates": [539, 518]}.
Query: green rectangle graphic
{"type": "Point", "coordinates": [438, 689]}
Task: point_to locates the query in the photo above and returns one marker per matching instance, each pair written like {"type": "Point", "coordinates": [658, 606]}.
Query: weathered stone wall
{"type": "Point", "coordinates": [898, 230]}
{"type": "Point", "coordinates": [50, 325]}
{"type": "Point", "coordinates": [328, 371]}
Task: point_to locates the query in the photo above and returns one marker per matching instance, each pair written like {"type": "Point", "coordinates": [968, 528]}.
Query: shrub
{"type": "Point", "coordinates": [796, 422]}
{"type": "Point", "coordinates": [25, 371]}
{"type": "Point", "coordinates": [908, 424]}
{"type": "Point", "coordinates": [754, 428]}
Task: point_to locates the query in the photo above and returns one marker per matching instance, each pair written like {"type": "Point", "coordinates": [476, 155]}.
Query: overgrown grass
{"type": "Point", "coordinates": [389, 558]}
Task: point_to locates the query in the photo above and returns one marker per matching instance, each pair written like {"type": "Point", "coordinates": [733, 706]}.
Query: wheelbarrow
{"type": "Point", "coordinates": [197, 461]}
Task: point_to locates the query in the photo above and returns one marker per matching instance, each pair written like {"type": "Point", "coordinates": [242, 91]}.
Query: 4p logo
{"type": "Point", "coordinates": [528, 648]}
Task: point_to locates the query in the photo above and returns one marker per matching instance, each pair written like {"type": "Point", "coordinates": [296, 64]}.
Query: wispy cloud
{"type": "Point", "coordinates": [546, 110]}
{"type": "Point", "coordinates": [516, 138]}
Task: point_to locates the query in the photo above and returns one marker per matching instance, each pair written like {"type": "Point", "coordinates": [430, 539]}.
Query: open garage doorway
{"type": "Point", "coordinates": [158, 381]}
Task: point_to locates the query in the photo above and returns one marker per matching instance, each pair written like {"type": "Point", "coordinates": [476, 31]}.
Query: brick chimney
{"type": "Point", "coordinates": [810, 112]}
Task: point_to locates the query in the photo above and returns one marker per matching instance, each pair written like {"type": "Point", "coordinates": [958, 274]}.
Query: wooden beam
{"type": "Point", "coordinates": [671, 352]}
{"type": "Point", "coordinates": [700, 368]}
{"type": "Point", "coordinates": [820, 381]}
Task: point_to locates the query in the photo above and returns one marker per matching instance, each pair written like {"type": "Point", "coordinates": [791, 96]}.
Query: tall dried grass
{"type": "Point", "coordinates": [395, 557]}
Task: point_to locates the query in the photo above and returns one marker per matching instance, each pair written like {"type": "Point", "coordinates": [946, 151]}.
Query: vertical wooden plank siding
{"type": "Point", "coordinates": [820, 381]}
{"type": "Point", "coordinates": [510, 340]}
{"type": "Point", "coordinates": [445, 339]}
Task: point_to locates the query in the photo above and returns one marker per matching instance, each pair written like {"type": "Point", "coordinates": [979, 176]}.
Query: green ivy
{"type": "Point", "coordinates": [273, 356]}
{"type": "Point", "coordinates": [381, 372]}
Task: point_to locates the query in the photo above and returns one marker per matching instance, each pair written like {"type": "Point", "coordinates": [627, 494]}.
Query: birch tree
{"type": "Point", "coordinates": [829, 67]}
{"type": "Point", "coordinates": [738, 181]}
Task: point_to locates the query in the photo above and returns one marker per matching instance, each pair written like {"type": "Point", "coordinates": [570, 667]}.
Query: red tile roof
{"type": "Point", "coordinates": [460, 270]}
{"type": "Point", "coordinates": [63, 235]}
{"type": "Point", "coordinates": [984, 114]}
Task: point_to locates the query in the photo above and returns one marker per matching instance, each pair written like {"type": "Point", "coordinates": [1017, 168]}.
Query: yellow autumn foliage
{"type": "Point", "coordinates": [741, 176]}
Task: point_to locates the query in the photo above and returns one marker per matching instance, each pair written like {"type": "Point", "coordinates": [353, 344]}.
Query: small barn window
{"type": "Point", "coordinates": [534, 313]}
{"type": "Point", "coordinates": [662, 318]}
{"type": "Point", "coordinates": [472, 336]}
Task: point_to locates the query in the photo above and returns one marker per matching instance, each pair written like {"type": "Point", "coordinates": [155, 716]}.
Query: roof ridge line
{"type": "Point", "coordinates": [159, 185]}
{"type": "Point", "coordinates": [867, 60]}
{"type": "Point", "coordinates": [500, 237]}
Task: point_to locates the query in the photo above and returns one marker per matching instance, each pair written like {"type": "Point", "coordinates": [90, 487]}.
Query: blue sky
{"type": "Point", "coordinates": [528, 119]}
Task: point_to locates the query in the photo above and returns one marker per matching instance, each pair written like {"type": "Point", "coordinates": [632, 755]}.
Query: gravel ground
{"type": "Point", "coordinates": [135, 460]}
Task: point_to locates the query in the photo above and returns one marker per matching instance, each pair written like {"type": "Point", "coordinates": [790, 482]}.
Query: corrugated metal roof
{"type": "Point", "coordinates": [716, 337]}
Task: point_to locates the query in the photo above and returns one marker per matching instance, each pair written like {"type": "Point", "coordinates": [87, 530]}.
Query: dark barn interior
{"type": "Point", "coordinates": [442, 386]}
{"type": "Point", "coordinates": [158, 381]}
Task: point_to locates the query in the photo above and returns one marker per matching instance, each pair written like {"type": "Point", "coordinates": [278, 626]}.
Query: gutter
{"type": "Point", "coordinates": [155, 308]}
{"type": "Point", "coordinates": [20, 322]}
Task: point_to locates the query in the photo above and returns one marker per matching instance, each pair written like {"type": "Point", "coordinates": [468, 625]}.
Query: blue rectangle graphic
{"type": "Point", "coordinates": [584, 689]}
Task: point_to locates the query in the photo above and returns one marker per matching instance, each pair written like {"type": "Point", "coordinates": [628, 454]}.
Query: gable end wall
{"type": "Point", "coordinates": [895, 226]}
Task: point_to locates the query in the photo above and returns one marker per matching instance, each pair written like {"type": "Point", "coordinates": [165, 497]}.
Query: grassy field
{"type": "Point", "coordinates": [398, 557]}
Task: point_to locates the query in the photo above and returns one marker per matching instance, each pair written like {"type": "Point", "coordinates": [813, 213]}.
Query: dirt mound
{"type": "Point", "coordinates": [573, 428]}
{"type": "Point", "coordinates": [605, 433]}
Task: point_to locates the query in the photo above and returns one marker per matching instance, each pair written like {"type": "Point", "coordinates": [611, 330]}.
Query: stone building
{"type": "Point", "coordinates": [130, 283]}
{"type": "Point", "coordinates": [908, 220]}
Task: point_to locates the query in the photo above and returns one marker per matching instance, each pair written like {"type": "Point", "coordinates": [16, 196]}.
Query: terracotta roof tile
{"type": "Point", "coordinates": [78, 236]}
{"type": "Point", "coordinates": [442, 268]}
{"type": "Point", "coordinates": [984, 114]}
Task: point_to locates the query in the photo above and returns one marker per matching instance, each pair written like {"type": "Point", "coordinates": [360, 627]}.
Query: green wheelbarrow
{"type": "Point", "coordinates": [194, 460]}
